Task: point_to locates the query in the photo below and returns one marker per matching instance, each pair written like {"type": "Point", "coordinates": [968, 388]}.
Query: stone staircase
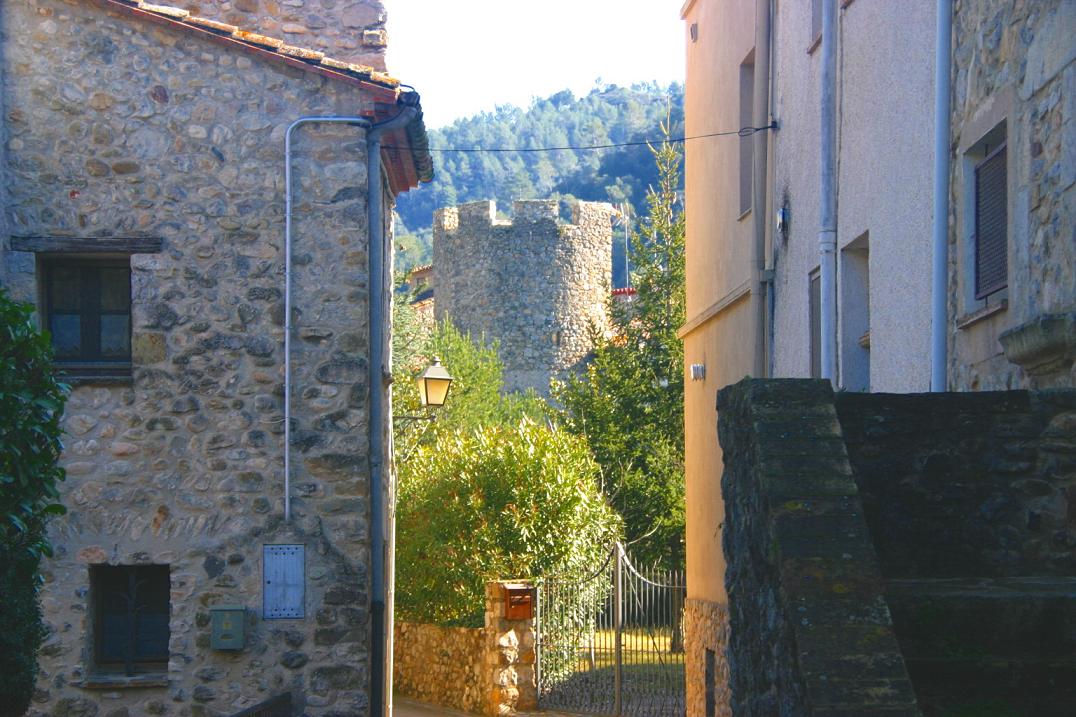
{"type": "Point", "coordinates": [971, 503]}
{"type": "Point", "coordinates": [988, 646]}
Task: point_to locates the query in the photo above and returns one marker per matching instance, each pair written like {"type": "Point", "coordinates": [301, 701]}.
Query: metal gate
{"type": "Point", "coordinates": [611, 643]}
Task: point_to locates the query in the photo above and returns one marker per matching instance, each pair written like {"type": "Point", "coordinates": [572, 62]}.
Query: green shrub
{"type": "Point", "coordinates": [496, 503]}
{"type": "Point", "coordinates": [31, 405]}
{"type": "Point", "coordinates": [21, 633]}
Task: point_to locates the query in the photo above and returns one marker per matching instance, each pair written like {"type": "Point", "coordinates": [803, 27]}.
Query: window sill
{"type": "Point", "coordinates": [969, 320]}
{"type": "Point", "coordinates": [80, 379]}
{"type": "Point", "coordinates": [123, 682]}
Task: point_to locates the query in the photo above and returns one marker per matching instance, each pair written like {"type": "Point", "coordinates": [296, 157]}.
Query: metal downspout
{"type": "Point", "coordinates": [359, 122]}
{"type": "Point", "coordinates": [760, 117]}
{"type": "Point", "coordinates": [380, 696]}
{"type": "Point", "coordinates": [827, 233]}
{"type": "Point", "coordinates": [939, 324]}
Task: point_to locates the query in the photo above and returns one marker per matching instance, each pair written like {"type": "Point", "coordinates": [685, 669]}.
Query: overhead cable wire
{"type": "Point", "coordinates": [742, 132]}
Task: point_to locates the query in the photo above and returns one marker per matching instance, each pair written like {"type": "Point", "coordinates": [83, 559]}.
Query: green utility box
{"type": "Point", "coordinates": [229, 624]}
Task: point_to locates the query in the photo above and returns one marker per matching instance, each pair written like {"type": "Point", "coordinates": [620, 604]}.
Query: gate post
{"type": "Point", "coordinates": [510, 654]}
{"type": "Point", "coordinates": [618, 629]}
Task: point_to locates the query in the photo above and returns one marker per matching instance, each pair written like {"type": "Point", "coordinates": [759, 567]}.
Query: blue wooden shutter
{"type": "Point", "coordinates": [284, 583]}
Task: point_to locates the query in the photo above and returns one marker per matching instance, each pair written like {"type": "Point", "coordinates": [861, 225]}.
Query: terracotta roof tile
{"type": "Point", "coordinates": [301, 52]}
{"type": "Point", "coordinates": [255, 39]}
{"type": "Point", "coordinates": [176, 12]}
{"type": "Point", "coordinates": [381, 87]}
{"type": "Point", "coordinates": [221, 27]}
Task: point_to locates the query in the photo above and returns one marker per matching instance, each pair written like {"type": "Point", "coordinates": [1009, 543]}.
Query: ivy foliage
{"type": "Point", "coordinates": [500, 502]}
{"type": "Point", "coordinates": [31, 405]}
{"type": "Point", "coordinates": [629, 403]}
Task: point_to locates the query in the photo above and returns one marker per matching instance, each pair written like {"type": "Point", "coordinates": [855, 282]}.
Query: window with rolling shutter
{"type": "Point", "coordinates": [991, 224]}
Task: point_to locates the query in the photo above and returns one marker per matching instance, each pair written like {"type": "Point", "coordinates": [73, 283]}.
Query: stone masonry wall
{"type": "Point", "coordinates": [348, 30]}
{"type": "Point", "coordinates": [967, 485]}
{"type": "Point", "coordinates": [706, 630]}
{"type": "Point", "coordinates": [441, 665]}
{"type": "Point", "coordinates": [810, 633]}
{"type": "Point", "coordinates": [1014, 62]}
{"type": "Point", "coordinates": [535, 285]}
{"type": "Point", "coordinates": [120, 128]}
{"type": "Point", "coordinates": [488, 670]}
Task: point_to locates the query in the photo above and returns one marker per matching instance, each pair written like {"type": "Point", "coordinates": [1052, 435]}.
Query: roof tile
{"type": "Point", "coordinates": [220, 27]}
{"type": "Point", "coordinates": [301, 52]}
{"type": "Point", "coordinates": [176, 12]}
{"type": "Point", "coordinates": [256, 39]}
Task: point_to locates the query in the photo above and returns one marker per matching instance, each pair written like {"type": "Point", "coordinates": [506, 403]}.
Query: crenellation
{"type": "Point", "coordinates": [533, 284]}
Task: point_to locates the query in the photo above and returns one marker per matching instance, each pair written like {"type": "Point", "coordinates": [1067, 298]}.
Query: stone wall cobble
{"type": "Point", "coordinates": [118, 128]}
{"type": "Point", "coordinates": [347, 30]}
{"type": "Point", "coordinates": [706, 667]}
{"type": "Point", "coordinates": [1013, 66]}
{"type": "Point", "coordinates": [441, 665]}
{"type": "Point", "coordinates": [534, 284]}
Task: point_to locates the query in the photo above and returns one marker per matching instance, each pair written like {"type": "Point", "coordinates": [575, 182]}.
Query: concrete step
{"type": "Point", "coordinates": [999, 617]}
{"type": "Point", "coordinates": [989, 647]}
{"type": "Point", "coordinates": [991, 687]}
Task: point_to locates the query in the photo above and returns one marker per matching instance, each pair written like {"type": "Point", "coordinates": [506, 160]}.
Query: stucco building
{"type": "Point", "coordinates": [756, 300]}
{"type": "Point", "coordinates": [214, 458]}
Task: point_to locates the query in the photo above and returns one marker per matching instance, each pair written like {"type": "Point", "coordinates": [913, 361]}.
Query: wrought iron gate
{"type": "Point", "coordinates": [611, 643]}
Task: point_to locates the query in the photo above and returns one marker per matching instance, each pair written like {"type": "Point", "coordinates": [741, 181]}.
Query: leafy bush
{"type": "Point", "coordinates": [475, 399]}
{"type": "Point", "coordinates": [31, 404]}
{"type": "Point", "coordinates": [21, 633]}
{"type": "Point", "coordinates": [500, 502]}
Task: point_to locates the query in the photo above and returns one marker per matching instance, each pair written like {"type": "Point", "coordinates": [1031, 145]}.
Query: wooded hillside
{"type": "Point", "coordinates": [607, 115]}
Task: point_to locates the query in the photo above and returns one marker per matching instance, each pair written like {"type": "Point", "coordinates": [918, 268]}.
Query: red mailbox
{"type": "Point", "coordinates": [518, 601]}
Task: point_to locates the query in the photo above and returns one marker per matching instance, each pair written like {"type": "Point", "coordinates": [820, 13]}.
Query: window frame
{"type": "Point", "coordinates": [87, 364]}
{"type": "Point", "coordinates": [130, 664]}
{"type": "Point", "coordinates": [982, 292]}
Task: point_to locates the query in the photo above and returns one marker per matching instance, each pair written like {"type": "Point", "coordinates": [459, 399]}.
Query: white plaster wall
{"type": "Point", "coordinates": [885, 163]}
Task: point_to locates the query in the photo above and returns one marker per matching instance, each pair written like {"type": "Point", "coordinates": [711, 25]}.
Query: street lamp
{"type": "Point", "coordinates": [433, 384]}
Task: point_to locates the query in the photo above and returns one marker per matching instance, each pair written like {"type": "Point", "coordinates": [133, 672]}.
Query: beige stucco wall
{"type": "Point", "coordinates": [719, 269]}
{"type": "Point", "coordinates": [720, 330]}
{"type": "Point", "coordinates": [885, 162]}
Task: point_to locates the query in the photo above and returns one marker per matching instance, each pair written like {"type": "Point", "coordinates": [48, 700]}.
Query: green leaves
{"type": "Point", "coordinates": [499, 502]}
{"type": "Point", "coordinates": [31, 405]}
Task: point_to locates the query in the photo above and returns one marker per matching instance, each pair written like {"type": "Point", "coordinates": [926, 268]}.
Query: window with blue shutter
{"type": "Point", "coordinates": [284, 582]}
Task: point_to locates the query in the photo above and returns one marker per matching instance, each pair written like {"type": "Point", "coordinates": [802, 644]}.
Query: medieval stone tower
{"type": "Point", "coordinates": [533, 283]}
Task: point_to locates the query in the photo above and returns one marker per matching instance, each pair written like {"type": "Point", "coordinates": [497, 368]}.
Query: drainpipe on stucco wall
{"type": "Point", "coordinates": [939, 316]}
{"type": "Point", "coordinates": [760, 117]}
{"type": "Point", "coordinates": [380, 548]}
{"type": "Point", "coordinates": [827, 233]}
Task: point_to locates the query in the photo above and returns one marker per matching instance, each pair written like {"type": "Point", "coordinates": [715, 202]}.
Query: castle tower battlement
{"type": "Point", "coordinates": [533, 283]}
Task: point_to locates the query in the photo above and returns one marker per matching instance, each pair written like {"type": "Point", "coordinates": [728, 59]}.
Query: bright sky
{"type": "Point", "coordinates": [468, 56]}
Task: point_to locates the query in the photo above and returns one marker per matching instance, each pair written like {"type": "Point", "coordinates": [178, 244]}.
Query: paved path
{"type": "Point", "coordinates": [404, 707]}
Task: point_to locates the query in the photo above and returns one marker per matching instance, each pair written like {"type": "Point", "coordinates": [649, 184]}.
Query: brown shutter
{"type": "Point", "coordinates": [991, 224]}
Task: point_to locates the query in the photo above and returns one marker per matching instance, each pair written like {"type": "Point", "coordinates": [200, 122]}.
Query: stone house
{"type": "Point", "coordinates": [755, 299]}
{"type": "Point", "coordinates": [155, 172]}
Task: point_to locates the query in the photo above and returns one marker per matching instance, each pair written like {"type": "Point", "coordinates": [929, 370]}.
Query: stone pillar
{"type": "Point", "coordinates": [510, 646]}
